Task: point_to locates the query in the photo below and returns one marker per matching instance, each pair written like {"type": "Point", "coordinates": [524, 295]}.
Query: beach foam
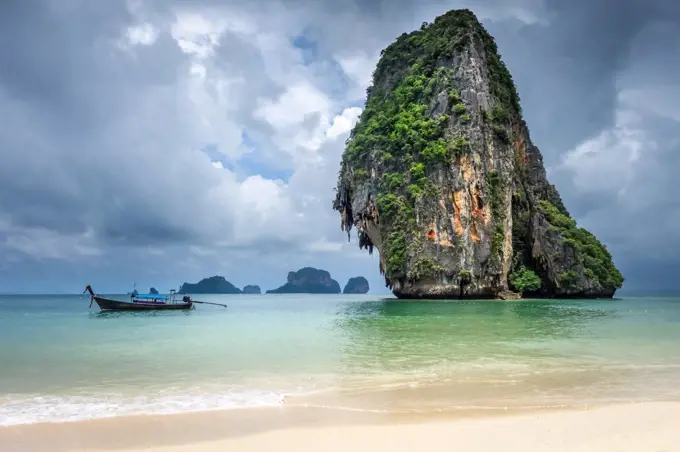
{"type": "Point", "coordinates": [29, 409]}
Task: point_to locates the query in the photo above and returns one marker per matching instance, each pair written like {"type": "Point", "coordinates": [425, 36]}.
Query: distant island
{"type": "Point", "coordinates": [308, 280]}
{"type": "Point", "coordinates": [153, 291]}
{"type": "Point", "coordinates": [252, 290]}
{"type": "Point", "coordinates": [358, 284]}
{"type": "Point", "coordinates": [212, 285]}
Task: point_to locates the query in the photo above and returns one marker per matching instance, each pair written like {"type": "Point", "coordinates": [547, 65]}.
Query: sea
{"type": "Point", "coordinates": [61, 360]}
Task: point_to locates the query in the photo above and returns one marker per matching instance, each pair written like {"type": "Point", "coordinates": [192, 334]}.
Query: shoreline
{"type": "Point", "coordinates": [647, 424]}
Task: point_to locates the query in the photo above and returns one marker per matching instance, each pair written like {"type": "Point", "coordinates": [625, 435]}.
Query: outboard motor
{"type": "Point", "coordinates": [186, 299]}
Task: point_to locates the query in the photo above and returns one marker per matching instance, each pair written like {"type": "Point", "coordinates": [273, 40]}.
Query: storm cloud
{"type": "Point", "coordinates": [159, 142]}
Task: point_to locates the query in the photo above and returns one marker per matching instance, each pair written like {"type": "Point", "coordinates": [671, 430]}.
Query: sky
{"type": "Point", "coordinates": [163, 141]}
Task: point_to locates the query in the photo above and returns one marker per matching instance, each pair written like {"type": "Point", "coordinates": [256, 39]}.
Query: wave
{"type": "Point", "coordinates": [16, 409]}
{"type": "Point", "coordinates": [435, 388]}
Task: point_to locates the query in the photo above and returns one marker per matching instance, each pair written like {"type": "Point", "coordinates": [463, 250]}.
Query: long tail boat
{"type": "Point", "coordinates": [139, 302]}
{"type": "Point", "coordinates": [144, 302]}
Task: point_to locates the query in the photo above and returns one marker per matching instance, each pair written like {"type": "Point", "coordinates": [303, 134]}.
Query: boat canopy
{"type": "Point", "coordinates": [151, 297]}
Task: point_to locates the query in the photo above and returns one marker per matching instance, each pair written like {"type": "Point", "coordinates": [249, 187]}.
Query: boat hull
{"type": "Point", "coordinates": [106, 304]}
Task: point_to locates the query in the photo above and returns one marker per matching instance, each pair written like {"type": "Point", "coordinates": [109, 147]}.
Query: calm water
{"type": "Point", "coordinates": [61, 361]}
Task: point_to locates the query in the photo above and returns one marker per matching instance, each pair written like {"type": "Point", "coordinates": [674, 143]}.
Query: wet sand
{"type": "Point", "coordinates": [641, 427]}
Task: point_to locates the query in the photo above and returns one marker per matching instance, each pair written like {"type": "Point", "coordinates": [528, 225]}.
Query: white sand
{"type": "Point", "coordinates": [650, 427]}
{"type": "Point", "coordinates": [644, 427]}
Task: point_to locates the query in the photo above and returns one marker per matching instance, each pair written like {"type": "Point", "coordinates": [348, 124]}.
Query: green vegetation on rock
{"type": "Point", "coordinates": [460, 147]}
{"type": "Point", "coordinates": [425, 267]}
{"type": "Point", "coordinates": [395, 248]}
{"type": "Point", "coordinates": [448, 33]}
{"type": "Point", "coordinates": [568, 278]}
{"type": "Point", "coordinates": [360, 175]}
{"type": "Point", "coordinates": [524, 280]}
{"type": "Point", "coordinates": [590, 253]}
{"type": "Point", "coordinates": [501, 133]}
{"type": "Point", "coordinates": [454, 96]}
{"type": "Point", "coordinates": [464, 277]}
{"type": "Point", "coordinates": [398, 123]}
{"type": "Point", "coordinates": [498, 121]}
{"type": "Point", "coordinates": [500, 81]}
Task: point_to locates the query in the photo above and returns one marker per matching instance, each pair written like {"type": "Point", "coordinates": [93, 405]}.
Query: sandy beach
{"type": "Point", "coordinates": [352, 375]}
{"type": "Point", "coordinates": [653, 427]}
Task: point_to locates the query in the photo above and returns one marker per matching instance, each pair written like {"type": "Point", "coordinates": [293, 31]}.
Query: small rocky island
{"type": "Point", "coordinates": [440, 176]}
{"type": "Point", "coordinates": [358, 284]}
{"type": "Point", "coordinates": [153, 291]}
{"type": "Point", "coordinates": [212, 285]}
{"type": "Point", "coordinates": [308, 280]}
{"type": "Point", "coordinates": [252, 290]}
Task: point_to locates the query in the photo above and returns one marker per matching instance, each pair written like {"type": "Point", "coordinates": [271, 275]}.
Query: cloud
{"type": "Point", "coordinates": [608, 161]}
{"type": "Point", "coordinates": [631, 165]}
{"type": "Point", "coordinates": [208, 133]}
{"type": "Point", "coordinates": [344, 123]}
{"type": "Point", "coordinates": [45, 244]}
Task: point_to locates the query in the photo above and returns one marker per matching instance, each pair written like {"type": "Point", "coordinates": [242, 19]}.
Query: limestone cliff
{"type": "Point", "coordinates": [441, 176]}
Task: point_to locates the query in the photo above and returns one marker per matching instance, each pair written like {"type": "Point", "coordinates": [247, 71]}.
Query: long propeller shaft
{"type": "Point", "coordinates": [207, 302]}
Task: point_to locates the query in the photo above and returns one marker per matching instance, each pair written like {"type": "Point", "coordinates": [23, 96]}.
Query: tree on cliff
{"type": "Point", "coordinates": [441, 176]}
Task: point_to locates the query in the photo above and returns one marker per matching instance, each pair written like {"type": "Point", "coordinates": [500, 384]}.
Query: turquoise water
{"type": "Point", "coordinates": [61, 361]}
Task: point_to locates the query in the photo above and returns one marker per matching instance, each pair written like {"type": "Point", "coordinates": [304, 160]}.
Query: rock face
{"type": "Point", "coordinates": [358, 284]}
{"type": "Point", "coordinates": [153, 291]}
{"type": "Point", "coordinates": [214, 285]}
{"type": "Point", "coordinates": [252, 290]}
{"type": "Point", "coordinates": [308, 280]}
{"type": "Point", "coordinates": [441, 176]}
